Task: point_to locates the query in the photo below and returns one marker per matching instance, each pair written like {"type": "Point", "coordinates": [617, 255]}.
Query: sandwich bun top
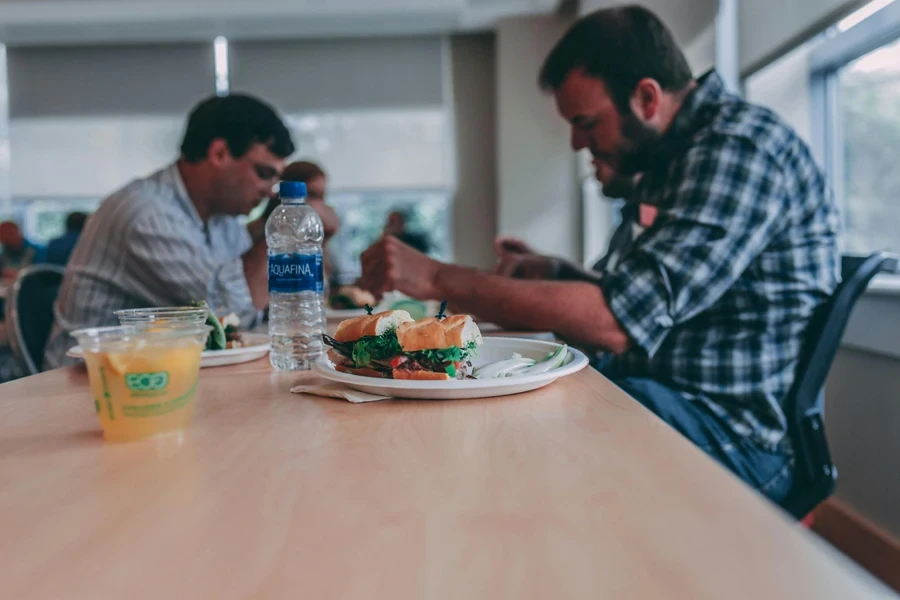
{"type": "Point", "coordinates": [370, 325]}
{"type": "Point", "coordinates": [436, 334]}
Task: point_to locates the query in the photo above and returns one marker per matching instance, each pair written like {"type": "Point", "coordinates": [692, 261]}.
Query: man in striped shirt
{"type": "Point", "coordinates": [176, 237]}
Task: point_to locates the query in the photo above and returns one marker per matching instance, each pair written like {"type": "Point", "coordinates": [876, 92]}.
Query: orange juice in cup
{"type": "Point", "coordinates": [143, 379]}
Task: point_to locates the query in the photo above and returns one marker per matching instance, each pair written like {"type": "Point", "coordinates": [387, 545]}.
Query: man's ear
{"type": "Point", "coordinates": [218, 153]}
{"type": "Point", "coordinates": [646, 99]}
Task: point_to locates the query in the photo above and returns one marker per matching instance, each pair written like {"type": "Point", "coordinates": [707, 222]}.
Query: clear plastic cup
{"type": "Point", "coordinates": [164, 315]}
{"type": "Point", "coordinates": [143, 378]}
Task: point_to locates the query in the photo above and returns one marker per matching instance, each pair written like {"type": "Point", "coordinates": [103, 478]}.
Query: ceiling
{"type": "Point", "coordinates": [43, 22]}
{"type": "Point", "coordinates": [686, 18]}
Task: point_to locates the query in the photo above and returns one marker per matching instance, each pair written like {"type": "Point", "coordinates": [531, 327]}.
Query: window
{"type": "Point", "coordinates": [384, 146]}
{"type": "Point", "coordinates": [855, 86]}
{"type": "Point", "coordinates": [363, 216]}
{"type": "Point", "coordinates": [44, 219]}
{"type": "Point", "coordinates": [379, 161]}
{"type": "Point", "coordinates": [869, 113]}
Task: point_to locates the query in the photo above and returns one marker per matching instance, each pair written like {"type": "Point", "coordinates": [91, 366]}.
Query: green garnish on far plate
{"type": "Point", "coordinates": [417, 310]}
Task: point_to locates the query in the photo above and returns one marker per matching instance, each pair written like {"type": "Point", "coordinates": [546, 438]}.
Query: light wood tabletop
{"type": "Point", "coordinates": [572, 491]}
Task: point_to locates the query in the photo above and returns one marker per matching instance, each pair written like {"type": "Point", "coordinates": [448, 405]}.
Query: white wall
{"type": "Point", "coordinates": [862, 419]}
{"type": "Point", "coordinates": [783, 86]}
{"type": "Point", "coordinates": [538, 195]}
{"type": "Point", "coordinates": [701, 51]}
{"type": "Point", "coordinates": [475, 126]}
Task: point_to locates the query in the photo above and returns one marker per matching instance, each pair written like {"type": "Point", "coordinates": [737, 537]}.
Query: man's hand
{"type": "Point", "coordinates": [330, 221]}
{"type": "Point", "coordinates": [516, 259]}
{"type": "Point", "coordinates": [390, 265]}
{"type": "Point", "coordinates": [505, 245]}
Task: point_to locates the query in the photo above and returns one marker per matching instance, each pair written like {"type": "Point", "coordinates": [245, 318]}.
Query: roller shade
{"type": "Point", "coordinates": [85, 120]}
{"type": "Point", "coordinates": [301, 76]}
{"type": "Point", "coordinates": [108, 80]}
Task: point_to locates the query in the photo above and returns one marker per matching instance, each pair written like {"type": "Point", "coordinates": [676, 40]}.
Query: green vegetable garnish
{"type": "Point", "coordinates": [451, 370]}
{"type": "Point", "coordinates": [216, 339]}
{"type": "Point", "coordinates": [380, 347]}
{"type": "Point", "coordinates": [451, 354]}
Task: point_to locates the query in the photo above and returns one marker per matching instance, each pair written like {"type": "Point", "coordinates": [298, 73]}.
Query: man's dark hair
{"type": "Point", "coordinates": [75, 221]}
{"type": "Point", "coordinates": [238, 119]}
{"type": "Point", "coordinates": [620, 46]}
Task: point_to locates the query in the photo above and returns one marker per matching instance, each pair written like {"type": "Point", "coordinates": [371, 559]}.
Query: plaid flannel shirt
{"type": "Point", "coordinates": [716, 295]}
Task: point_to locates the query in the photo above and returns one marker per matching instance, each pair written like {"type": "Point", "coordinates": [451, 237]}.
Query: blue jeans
{"type": "Point", "coordinates": [768, 472]}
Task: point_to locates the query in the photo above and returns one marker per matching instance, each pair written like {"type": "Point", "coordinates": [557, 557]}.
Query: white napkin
{"type": "Point", "coordinates": [337, 390]}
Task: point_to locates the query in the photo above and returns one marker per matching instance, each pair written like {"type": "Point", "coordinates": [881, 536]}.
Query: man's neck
{"type": "Point", "coordinates": [672, 107]}
{"type": "Point", "coordinates": [197, 191]}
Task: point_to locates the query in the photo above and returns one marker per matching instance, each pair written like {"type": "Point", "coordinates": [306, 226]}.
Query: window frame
{"type": "Point", "coordinates": [836, 51]}
{"type": "Point", "coordinates": [880, 305]}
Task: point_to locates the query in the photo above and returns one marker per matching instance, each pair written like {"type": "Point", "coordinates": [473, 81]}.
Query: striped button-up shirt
{"type": "Point", "coordinates": [717, 293]}
{"type": "Point", "coordinates": [146, 246]}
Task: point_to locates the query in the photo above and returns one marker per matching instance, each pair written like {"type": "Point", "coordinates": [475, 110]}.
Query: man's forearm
{"type": "Point", "coordinates": [576, 311]}
{"type": "Point", "coordinates": [566, 270]}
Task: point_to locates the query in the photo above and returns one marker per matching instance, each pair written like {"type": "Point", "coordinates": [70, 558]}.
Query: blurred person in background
{"type": "Point", "coordinates": [59, 250]}
{"type": "Point", "coordinates": [18, 252]}
{"type": "Point", "coordinates": [316, 180]}
{"type": "Point", "coordinates": [397, 226]}
{"type": "Point", "coordinates": [177, 236]}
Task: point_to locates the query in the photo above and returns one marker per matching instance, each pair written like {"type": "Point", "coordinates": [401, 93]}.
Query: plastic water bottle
{"type": "Point", "coordinates": [296, 289]}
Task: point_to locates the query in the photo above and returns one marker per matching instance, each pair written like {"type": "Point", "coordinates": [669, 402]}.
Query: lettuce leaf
{"type": "Point", "coordinates": [376, 347]}
{"type": "Point", "coordinates": [453, 354]}
{"type": "Point", "coordinates": [384, 347]}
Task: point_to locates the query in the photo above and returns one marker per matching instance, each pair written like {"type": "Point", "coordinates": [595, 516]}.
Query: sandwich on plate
{"type": "Point", "coordinates": [392, 345]}
{"type": "Point", "coordinates": [349, 297]}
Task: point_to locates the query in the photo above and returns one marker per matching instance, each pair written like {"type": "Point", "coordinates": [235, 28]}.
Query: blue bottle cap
{"type": "Point", "coordinates": [292, 189]}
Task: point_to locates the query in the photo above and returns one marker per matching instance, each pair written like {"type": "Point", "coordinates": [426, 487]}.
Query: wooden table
{"type": "Point", "coordinates": [573, 491]}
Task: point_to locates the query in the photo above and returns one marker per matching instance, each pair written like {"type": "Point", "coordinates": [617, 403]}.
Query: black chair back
{"type": "Point", "coordinates": [814, 473]}
{"type": "Point", "coordinates": [29, 313]}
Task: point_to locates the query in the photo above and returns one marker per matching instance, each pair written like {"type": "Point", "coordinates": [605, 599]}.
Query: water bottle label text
{"type": "Point", "coordinates": [292, 273]}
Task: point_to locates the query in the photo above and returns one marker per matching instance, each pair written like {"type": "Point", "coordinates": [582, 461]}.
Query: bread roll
{"type": "Point", "coordinates": [437, 334]}
{"type": "Point", "coordinates": [370, 325]}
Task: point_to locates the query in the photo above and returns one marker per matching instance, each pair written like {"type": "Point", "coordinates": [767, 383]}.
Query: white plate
{"type": "Point", "coordinates": [494, 348]}
{"type": "Point", "coordinates": [217, 358]}
{"type": "Point", "coordinates": [347, 313]}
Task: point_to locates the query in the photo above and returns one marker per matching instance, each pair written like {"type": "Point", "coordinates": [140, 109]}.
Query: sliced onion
{"type": "Point", "coordinates": [552, 361]}
{"type": "Point", "coordinates": [502, 368]}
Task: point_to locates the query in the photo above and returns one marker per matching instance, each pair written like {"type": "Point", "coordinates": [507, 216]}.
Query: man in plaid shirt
{"type": "Point", "coordinates": [701, 313]}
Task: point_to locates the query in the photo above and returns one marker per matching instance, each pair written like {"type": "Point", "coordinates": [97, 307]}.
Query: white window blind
{"type": "Point", "coordinates": [86, 120]}
{"type": "Point", "coordinates": [303, 76]}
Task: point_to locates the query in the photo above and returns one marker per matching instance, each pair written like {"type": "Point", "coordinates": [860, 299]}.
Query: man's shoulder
{"type": "Point", "coordinates": [754, 128]}
{"type": "Point", "coordinates": [137, 200]}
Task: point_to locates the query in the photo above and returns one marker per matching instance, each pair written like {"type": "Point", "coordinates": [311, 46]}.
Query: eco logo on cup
{"type": "Point", "coordinates": [147, 384]}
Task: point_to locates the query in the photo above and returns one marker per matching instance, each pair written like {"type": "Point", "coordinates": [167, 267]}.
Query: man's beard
{"type": "Point", "coordinates": [639, 144]}
{"type": "Point", "coordinates": [621, 187]}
